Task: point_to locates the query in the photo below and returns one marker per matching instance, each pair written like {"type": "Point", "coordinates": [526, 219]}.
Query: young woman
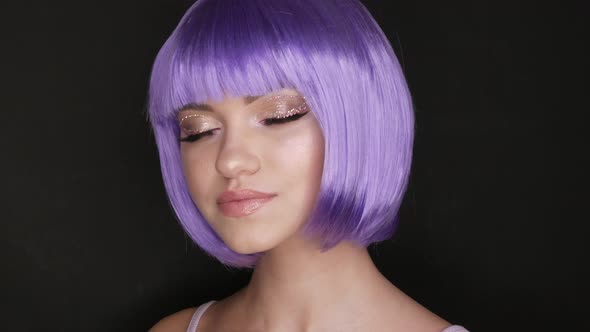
{"type": "Point", "coordinates": [285, 132]}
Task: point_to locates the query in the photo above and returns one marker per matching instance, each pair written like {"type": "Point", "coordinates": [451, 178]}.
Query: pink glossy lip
{"type": "Point", "coordinates": [242, 202]}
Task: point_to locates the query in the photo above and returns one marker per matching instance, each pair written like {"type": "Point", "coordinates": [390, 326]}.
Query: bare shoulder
{"type": "Point", "coordinates": [409, 315]}
{"type": "Point", "coordinates": [178, 321]}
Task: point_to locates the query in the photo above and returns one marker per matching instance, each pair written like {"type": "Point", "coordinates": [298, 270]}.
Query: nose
{"type": "Point", "coordinates": [237, 157]}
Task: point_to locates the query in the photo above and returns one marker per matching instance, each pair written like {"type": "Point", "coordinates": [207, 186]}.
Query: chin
{"type": "Point", "coordinates": [249, 247]}
{"type": "Point", "coordinates": [255, 234]}
{"type": "Point", "coordinates": [243, 242]}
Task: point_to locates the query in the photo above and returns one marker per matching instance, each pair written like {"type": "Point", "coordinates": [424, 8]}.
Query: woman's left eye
{"type": "Point", "coordinates": [271, 121]}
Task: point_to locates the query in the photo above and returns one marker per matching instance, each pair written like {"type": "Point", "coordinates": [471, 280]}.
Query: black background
{"type": "Point", "coordinates": [494, 224]}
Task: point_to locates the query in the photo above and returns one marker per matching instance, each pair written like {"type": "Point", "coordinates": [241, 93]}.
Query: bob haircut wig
{"type": "Point", "coordinates": [333, 53]}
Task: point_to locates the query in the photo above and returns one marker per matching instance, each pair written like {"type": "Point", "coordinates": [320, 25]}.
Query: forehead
{"type": "Point", "coordinates": [250, 99]}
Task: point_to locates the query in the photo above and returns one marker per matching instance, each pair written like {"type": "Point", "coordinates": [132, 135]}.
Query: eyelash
{"type": "Point", "coordinates": [266, 122]}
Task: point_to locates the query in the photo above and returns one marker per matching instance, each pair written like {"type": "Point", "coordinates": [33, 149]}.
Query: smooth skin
{"type": "Point", "coordinates": [293, 287]}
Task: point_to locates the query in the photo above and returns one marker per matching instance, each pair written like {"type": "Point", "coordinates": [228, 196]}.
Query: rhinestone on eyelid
{"type": "Point", "coordinates": [293, 111]}
{"type": "Point", "coordinates": [286, 96]}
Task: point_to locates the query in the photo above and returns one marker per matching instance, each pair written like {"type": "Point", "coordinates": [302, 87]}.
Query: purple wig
{"type": "Point", "coordinates": [332, 52]}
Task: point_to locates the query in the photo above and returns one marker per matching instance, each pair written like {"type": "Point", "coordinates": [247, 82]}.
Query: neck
{"type": "Point", "coordinates": [298, 285]}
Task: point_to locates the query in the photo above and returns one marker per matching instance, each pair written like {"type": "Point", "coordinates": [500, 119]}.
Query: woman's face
{"type": "Point", "coordinates": [270, 144]}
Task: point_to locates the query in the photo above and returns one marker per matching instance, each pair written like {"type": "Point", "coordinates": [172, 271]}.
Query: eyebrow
{"type": "Point", "coordinates": [206, 107]}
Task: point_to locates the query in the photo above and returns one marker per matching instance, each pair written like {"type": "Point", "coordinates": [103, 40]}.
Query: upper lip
{"type": "Point", "coordinates": [229, 196]}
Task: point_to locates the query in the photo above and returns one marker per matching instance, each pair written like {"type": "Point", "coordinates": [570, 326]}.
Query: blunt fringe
{"type": "Point", "coordinates": [335, 54]}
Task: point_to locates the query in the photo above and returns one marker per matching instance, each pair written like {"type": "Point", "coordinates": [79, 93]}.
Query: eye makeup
{"type": "Point", "coordinates": [281, 106]}
{"type": "Point", "coordinates": [272, 110]}
{"type": "Point", "coordinates": [194, 123]}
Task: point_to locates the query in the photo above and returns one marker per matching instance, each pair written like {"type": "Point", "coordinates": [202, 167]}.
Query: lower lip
{"type": "Point", "coordinates": [242, 208]}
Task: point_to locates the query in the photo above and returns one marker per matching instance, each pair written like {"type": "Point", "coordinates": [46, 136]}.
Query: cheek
{"type": "Point", "coordinates": [199, 172]}
{"type": "Point", "coordinates": [303, 157]}
{"type": "Point", "coordinates": [299, 160]}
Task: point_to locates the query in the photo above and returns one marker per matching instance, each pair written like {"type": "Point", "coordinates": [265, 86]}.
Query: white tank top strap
{"type": "Point", "coordinates": [192, 327]}
{"type": "Point", "coordinates": [455, 328]}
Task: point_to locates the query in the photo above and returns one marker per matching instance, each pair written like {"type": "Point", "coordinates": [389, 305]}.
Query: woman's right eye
{"type": "Point", "coordinates": [196, 137]}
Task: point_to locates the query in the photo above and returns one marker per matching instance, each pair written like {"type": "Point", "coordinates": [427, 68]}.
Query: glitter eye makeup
{"type": "Point", "coordinates": [196, 126]}
{"type": "Point", "coordinates": [282, 106]}
{"type": "Point", "coordinates": [276, 109]}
